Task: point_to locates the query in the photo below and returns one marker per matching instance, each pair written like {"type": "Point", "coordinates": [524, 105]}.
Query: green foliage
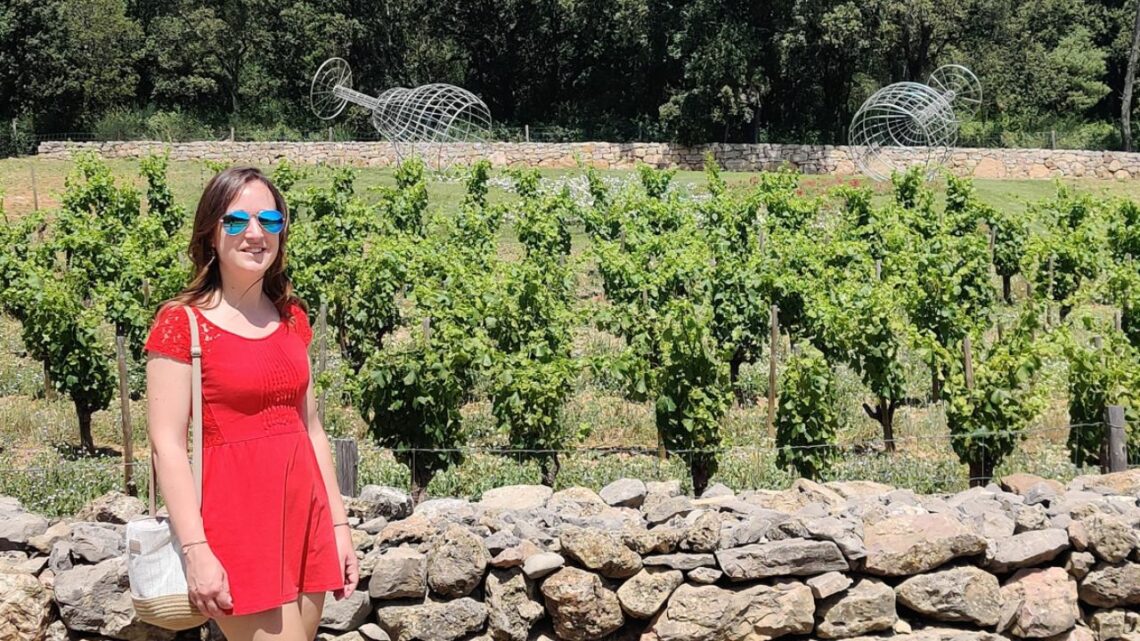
{"type": "Point", "coordinates": [1099, 378]}
{"type": "Point", "coordinates": [409, 394]}
{"type": "Point", "coordinates": [408, 203]}
{"type": "Point", "coordinates": [806, 423]}
{"type": "Point", "coordinates": [987, 420]}
{"type": "Point", "coordinates": [476, 184]}
{"type": "Point", "coordinates": [159, 198]}
{"type": "Point", "coordinates": [543, 225]}
{"type": "Point", "coordinates": [1124, 231]}
{"type": "Point", "coordinates": [655, 181]}
{"type": "Point", "coordinates": [1011, 233]}
{"type": "Point", "coordinates": [693, 388]}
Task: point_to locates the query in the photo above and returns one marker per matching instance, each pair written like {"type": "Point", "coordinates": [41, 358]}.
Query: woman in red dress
{"type": "Point", "coordinates": [271, 537]}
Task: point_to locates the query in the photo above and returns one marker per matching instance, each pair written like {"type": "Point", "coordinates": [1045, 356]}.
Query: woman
{"type": "Point", "coordinates": [271, 537]}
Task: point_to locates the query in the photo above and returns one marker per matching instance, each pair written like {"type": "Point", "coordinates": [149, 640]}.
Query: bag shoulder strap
{"type": "Point", "coordinates": [195, 415]}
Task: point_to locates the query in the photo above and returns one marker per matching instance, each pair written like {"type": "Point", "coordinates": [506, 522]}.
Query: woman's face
{"type": "Point", "coordinates": [253, 249]}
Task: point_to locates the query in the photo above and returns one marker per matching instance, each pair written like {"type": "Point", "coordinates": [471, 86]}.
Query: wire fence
{"type": "Point", "coordinates": [48, 483]}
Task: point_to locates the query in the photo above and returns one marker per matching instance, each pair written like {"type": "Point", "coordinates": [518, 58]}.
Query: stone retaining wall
{"type": "Point", "coordinates": [812, 159]}
{"type": "Point", "coordinates": [1029, 559]}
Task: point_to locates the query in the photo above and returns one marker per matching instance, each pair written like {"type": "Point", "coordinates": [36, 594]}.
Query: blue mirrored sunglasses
{"type": "Point", "coordinates": [235, 222]}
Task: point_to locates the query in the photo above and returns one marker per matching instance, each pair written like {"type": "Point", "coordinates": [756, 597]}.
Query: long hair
{"type": "Point", "coordinates": [219, 193]}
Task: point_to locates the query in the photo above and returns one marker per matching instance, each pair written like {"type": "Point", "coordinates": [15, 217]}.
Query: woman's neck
{"type": "Point", "coordinates": [242, 294]}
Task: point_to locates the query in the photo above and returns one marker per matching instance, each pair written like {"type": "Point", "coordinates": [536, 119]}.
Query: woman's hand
{"type": "Point", "coordinates": [346, 552]}
{"type": "Point", "coordinates": [207, 580]}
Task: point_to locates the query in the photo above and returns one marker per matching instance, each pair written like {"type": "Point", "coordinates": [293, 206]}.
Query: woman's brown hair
{"type": "Point", "coordinates": [219, 193]}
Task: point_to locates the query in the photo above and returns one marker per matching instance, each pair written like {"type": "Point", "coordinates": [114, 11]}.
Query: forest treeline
{"type": "Point", "coordinates": [688, 70]}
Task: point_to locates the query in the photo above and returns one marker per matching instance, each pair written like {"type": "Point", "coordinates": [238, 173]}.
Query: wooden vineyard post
{"type": "Point", "coordinates": [879, 270]}
{"type": "Point", "coordinates": [347, 463]}
{"type": "Point", "coordinates": [1049, 296]}
{"type": "Point", "coordinates": [35, 189]}
{"type": "Point", "coordinates": [125, 409]}
{"type": "Point", "coordinates": [1114, 455]}
{"type": "Point", "coordinates": [773, 341]}
{"type": "Point", "coordinates": [977, 468]}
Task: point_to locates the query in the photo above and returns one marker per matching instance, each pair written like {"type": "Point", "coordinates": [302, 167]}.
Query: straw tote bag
{"type": "Point", "coordinates": [155, 566]}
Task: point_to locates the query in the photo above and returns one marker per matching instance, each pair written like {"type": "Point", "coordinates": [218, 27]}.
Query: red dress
{"type": "Point", "coordinates": [264, 506]}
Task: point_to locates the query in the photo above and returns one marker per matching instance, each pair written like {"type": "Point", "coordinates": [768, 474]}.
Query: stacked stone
{"type": "Point", "coordinates": [809, 159]}
{"type": "Point", "coordinates": [1029, 559]}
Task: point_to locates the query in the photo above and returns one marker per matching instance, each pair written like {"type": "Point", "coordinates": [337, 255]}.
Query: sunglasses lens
{"type": "Point", "coordinates": [235, 223]}
{"type": "Point", "coordinates": [271, 221]}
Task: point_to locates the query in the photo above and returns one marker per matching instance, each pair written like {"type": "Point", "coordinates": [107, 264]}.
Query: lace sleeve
{"type": "Point", "coordinates": [301, 324]}
{"type": "Point", "coordinates": [170, 334]}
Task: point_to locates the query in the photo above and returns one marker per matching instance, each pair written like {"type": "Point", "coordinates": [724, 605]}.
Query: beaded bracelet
{"type": "Point", "coordinates": [340, 524]}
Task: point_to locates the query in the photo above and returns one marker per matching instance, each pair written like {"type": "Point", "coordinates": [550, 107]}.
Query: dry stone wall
{"type": "Point", "coordinates": [812, 159]}
{"type": "Point", "coordinates": [1029, 559]}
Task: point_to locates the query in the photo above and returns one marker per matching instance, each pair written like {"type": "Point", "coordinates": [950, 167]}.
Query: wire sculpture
{"type": "Point", "coordinates": [413, 120]}
{"type": "Point", "coordinates": [906, 120]}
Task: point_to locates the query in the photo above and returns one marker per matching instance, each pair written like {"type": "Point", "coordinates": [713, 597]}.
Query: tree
{"type": "Point", "coordinates": [1129, 83]}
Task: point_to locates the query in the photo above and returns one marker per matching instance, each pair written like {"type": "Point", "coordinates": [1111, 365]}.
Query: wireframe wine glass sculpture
{"type": "Point", "coordinates": [910, 123]}
{"type": "Point", "coordinates": [419, 121]}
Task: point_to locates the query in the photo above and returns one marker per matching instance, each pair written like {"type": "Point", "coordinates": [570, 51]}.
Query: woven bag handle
{"type": "Point", "coordinates": [195, 414]}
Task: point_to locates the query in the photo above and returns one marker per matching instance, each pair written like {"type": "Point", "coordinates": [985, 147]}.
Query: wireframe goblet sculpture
{"type": "Point", "coordinates": [414, 121]}
{"type": "Point", "coordinates": [910, 123]}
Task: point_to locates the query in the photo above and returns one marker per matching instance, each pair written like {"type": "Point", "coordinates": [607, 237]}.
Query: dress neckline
{"type": "Point", "coordinates": [280, 326]}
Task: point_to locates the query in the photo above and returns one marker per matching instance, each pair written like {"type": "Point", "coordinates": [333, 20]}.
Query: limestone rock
{"type": "Point", "coordinates": [829, 584]}
{"type": "Point", "coordinates": [448, 621]}
{"type": "Point", "coordinates": [97, 598]}
{"type": "Point", "coordinates": [380, 501]}
{"type": "Point", "coordinates": [642, 595]}
{"type": "Point", "coordinates": [1027, 549]}
{"type": "Point", "coordinates": [602, 552]}
{"type": "Point", "coordinates": [1043, 603]}
{"type": "Point", "coordinates": [668, 508]}
{"type": "Point", "coordinates": [414, 529]}
{"type": "Point", "coordinates": [710, 613]}
{"type": "Point", "coordinates": [512, 605]}
{"type": "Point", "coordinates": [908, 545]}
{"type": "Point", "coordinates": [346, 614]}
{"type": "Point", "coordinates": [581, 607]}
{"type": "Point", "coordinates": [704, 576]}
{"type": "Point", "coordinates": [703, 534]}
{"type": "Point", "coordinates": [540, 565]}
{"type": "Point", "coordinates": [16, 528]}
{"type": "Point", "coordinates": [95, 542]}
{"type": "Point", "coordinates": [962, 594]}
{"type": "Point", "coordinates": [624, 493]}
{"type": "Point", "coordinates": [516, 497]}
{"type": "Point", "coordinates": [1112, 586]}
{"type": "Point", "coordinates": [44, 543]}
{"type": "Point", "coordinates": [683, 562]}
{"type": "Point", "coordinates": [868, 606]}
{"type": "Point", "coordinates": [25, 607]}
{"type": "Point", "coordinates": [399, 573]}
{"type": "Point", "coordinates": [112, 507]}
{"type": "Point", "coordinates": [1110, 537]}
{"type": "Point", "coordinates": [793, 557]}
{"type": "Point", "coordinates": [456, 562]}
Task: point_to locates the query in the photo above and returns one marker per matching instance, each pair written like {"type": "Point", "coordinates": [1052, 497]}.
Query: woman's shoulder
{"type": "Point", "coordinates": [170, 333]}
{"type": "Point", "coordinates": [298, 318]}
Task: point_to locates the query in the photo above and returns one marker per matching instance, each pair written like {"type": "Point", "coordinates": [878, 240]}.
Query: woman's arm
{"type": "Point", "coordinates": [168, 409]}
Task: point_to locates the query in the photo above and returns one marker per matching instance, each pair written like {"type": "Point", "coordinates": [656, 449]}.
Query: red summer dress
{"type": "Point", "coordinates": [264, 506]}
